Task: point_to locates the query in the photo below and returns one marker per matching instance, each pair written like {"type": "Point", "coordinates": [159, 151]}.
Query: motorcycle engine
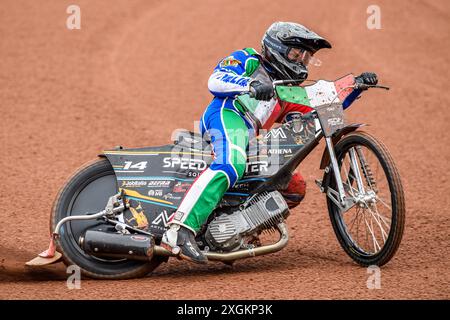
{"type": "Point", "coordinates": [227, 231]}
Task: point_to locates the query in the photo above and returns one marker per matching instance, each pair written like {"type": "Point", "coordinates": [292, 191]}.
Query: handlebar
{"type": "Point", "coordinates": [275, 83]}
{"type": "Point", "coordinates": [360, 86]}
{"type": "Point", "coordinates": [363, 86]}
{"type": "Point", "coordinates": [356, 86]}
{"type": "Point", "coordinates": [281, 82]}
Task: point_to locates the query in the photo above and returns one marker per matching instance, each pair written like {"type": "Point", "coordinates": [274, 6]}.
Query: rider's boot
{"type": "Point", "coordinates": [181, 241]}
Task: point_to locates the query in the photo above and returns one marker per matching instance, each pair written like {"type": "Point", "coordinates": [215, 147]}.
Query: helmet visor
{"type": "Point", "coordinates": [298, 55]}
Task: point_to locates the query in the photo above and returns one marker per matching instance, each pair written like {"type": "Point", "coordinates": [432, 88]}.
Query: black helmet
{"type": "Point", "coordinates": [288, 47]}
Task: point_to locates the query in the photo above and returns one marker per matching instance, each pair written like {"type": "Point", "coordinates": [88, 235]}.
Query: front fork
{"type": "Point", "coordinates": [339, 198]}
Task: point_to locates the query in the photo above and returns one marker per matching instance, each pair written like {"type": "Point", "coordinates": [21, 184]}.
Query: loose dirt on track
{"type": "Point", "coordinates": [137, 70]}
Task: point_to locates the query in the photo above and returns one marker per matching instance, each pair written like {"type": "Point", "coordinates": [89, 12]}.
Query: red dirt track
{"type": "Point", "coordinates": [138, 69]}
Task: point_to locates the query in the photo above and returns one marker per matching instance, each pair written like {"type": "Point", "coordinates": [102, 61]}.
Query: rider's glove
{"type": "Point", "coordinates": [368, 78]}
{"type": "Point", "coordinates": [261, 90]}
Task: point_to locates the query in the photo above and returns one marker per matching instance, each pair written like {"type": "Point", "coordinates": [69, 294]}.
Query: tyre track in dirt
{"type": "Point", "coordinates": [63, 96]}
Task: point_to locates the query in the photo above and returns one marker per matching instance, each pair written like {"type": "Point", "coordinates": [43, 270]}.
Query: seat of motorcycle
{"type": "Point", "coordinates": [190, 139]}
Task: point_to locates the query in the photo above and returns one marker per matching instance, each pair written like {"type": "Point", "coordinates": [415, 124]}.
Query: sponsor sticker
{"type": "Point", "coordinates": [276, 133]}
{"type": "Point", "coordinates": [163, 218]}
{"type": "Point", "coordinates": [155, 193]}
{"type": "Point", "coordinates": [241, 185]}
{"type": "Point", "coordinates": [230, 62]}
{"type": "Point", "coordinates": [159, 184]}
{"type": "Point", "coordinates": [139, 218]}
{"type": "Point", "coordinates": [257, 166]}
{"type": "Point", "coordinates": [139, 238]}
{"type": "Point", "coordinates": [280, 151]}
{"type": "Point", "coordinates": [184, 163]}
{"type": "Point", "coordinates": [170, 196]}
{"type": "Point", "coordinates": [181, 187]}
{"type": "Point", "coordinates": [133, 184]}
{"type": "Point", "coordinates": [178, 215]}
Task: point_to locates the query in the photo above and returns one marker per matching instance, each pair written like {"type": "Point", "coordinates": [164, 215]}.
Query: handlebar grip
{"type": "Point", "coordinates": [251, 92]}
{"type": "Point", "coordinates": [363, 86]}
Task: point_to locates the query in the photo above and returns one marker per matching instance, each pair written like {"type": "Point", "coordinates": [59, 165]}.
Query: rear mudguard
{"type": "Point", "coordinates": [326, 156]}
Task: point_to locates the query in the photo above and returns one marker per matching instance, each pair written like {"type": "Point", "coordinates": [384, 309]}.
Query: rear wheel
{"type": "Point", "coordinates": [87, 191]}
{"type": "Point", "coordinates": [371, 231]}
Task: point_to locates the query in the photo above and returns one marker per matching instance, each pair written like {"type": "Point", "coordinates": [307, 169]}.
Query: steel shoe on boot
{"type": "Point", "coordinates": [181, 241]}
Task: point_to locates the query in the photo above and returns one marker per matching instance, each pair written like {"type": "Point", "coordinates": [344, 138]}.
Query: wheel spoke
{"type": "Point", "coordinates": [383, 218]}
{"type": "Point", "coordinates": [384, 203]}
{"type": "Point", "coordinates": [378, 221]}
{"type": "Point", "coordinates": [347, 174]}
{"type": "Point", "coordinates": [376, 170]}
{"type": "Point", "coordinates": [352, 222]}
{"type": "Point", "coordinates": [367, 234]}
{"type": "Point", "coordinates": [353, 190]}
{"type": "Point", "coordinates": [375, 242]}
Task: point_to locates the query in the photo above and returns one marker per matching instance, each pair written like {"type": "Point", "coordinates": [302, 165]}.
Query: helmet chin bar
{"type": "Point", "coordinates": [303, 74]}
{"type": "Point", "coordinates": [286, 73]}
{"type": "Point", "coordinates": [281, 73]}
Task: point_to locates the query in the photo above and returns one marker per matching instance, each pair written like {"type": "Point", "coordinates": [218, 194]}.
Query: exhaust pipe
{"type": "Point", "coordinates": [119, 246]}
{"type": "Point", "coordinates": [240, 254]}
{"type": "Point", "coordinates": [142, 247]}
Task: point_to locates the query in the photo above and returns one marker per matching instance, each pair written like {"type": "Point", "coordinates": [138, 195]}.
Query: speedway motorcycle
{"type": "Point", "coordinates": [109, 217]}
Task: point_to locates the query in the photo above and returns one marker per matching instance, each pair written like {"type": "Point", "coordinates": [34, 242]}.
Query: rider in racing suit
{"type": "Point", "coordinates": [286, 51]}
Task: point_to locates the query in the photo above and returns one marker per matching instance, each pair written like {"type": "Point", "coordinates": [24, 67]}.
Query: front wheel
{"type": "Point", "coordinates": [87, 191]}
{"type": "Point", "coordinates": [370, 232]}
